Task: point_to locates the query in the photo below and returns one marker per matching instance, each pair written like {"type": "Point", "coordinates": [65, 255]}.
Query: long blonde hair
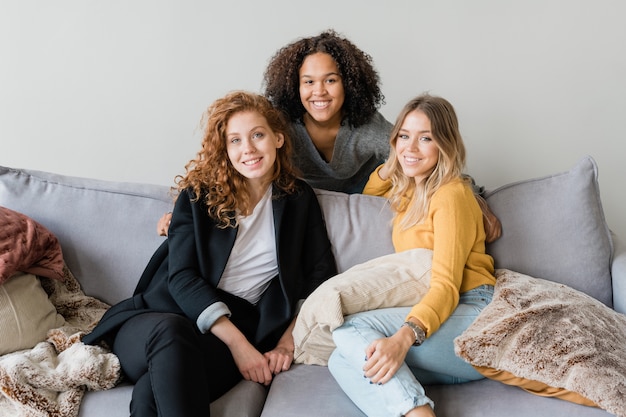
{"type": "Point", "coordinates": [408, 197]}
{"type": "Point", "coordinates": [212, 177]}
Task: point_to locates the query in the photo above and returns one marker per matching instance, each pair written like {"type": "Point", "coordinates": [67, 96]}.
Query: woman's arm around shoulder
{"type": "Point", "coordinates": [379, 183]}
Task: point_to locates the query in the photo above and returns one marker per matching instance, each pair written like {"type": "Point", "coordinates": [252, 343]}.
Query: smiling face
{"type": "Point", "coordinates": [251, 146]}
{"type": "Point", "coordinates": [415, 147]}
{"type": "Point", "coordinates": [321, 88]}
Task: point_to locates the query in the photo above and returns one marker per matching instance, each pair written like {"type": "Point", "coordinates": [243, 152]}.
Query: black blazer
{"type": "Point", "coordinates": [183, 274]}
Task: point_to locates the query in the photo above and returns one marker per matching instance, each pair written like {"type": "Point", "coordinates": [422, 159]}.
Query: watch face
{"type": "Point", "coordinates": [419, 333]}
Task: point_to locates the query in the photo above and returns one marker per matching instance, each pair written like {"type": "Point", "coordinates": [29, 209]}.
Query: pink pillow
{"type": "Point", "coordinates": [27, 246]}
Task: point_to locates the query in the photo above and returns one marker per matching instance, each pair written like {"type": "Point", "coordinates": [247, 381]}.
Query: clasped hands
{"type": "Point", "coordinates": [261, 368]}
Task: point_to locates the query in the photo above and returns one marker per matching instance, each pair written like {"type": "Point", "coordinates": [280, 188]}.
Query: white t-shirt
{"type": "Point", "coordinates": [252, 263]}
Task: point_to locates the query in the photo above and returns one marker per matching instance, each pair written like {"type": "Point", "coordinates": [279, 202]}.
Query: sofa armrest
{"type": "Point", "coordinates": [618, 274]}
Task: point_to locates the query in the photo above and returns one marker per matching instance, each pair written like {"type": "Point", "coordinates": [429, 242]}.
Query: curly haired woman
{"type": "Point", "coordinates": [330, 92]}
{"type": "Point", "coordinates": [214, 305]}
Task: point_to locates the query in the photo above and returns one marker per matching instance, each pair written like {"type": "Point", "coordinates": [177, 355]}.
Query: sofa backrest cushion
{"type": "Point", "coordinates": [107, 230]}
{"type": "Point", "coordinates": [554, 228]}
{"type": "Point", "coordinates": [359, 226]}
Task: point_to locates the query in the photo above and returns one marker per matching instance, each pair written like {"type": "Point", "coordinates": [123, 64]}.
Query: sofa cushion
{"type": "Point", "coordinates": [107, 230]}
{"type": "Point", "coordinates": [27, 246]}
{"type": "Point", "coordinates": [359, 226]}
{"type": "Point", "coordinates": [554, 228]}
{"type": "Point", "coordinates": [245, 399]}
{"type": "Point", "coordinates": [311, 391]}
{"type": "Point", "coordinates": [26, 313]}
{"type": "Point", "coordinates": [543, 331]}
{"type": "Point", "coordinates": [534, 387]}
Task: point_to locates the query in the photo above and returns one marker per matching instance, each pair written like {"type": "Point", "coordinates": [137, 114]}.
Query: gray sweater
{"type": "Point", "coordinates": [358, 151]}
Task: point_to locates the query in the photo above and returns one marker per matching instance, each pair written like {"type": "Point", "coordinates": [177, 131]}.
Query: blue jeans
{"type": "Point", "coordinates": [434, 362]}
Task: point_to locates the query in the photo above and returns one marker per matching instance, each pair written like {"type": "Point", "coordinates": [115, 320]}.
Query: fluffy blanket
{"type": "Point", "coordinates": [548, 332]}
{"type": "Point", "coordinates": [398, 279]}
{"type": "Point", "coordinates": [50, 379]}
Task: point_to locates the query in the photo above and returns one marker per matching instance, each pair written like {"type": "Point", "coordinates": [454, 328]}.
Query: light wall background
{"type": "Point", "coordinates": [115, 89]}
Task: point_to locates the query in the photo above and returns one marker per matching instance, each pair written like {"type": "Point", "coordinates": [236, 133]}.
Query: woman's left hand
{"type": "Point", "coordinates": [279, 359]}
{"type": "Point", "coordinates": [163, 224]}
{"type": "Point", "coordinates": [384, 357]}
{"type": "Point", "coordinates": [493, 227]}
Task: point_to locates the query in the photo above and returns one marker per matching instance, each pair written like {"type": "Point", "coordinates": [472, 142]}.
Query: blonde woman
{"type": "Point", "coordinates": [383, 356]}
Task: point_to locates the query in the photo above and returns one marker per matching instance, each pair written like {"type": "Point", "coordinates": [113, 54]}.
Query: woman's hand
{"type": "Point", "coordinates": [493, 227]}
{"type": "Point", "coordinates": [164, 224]}
{"type": "Point", "coordinates": [252, 364]}
{"type": "Point", "coordinates": [385, 356]}
{"type": "Point", "coordinates": [385, 170]}
{"type": "Point", "coordinates": [280, 358]}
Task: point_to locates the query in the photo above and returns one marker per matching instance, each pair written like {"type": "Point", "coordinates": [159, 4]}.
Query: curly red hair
{"type": "Point", "coordinates": [212, 177]}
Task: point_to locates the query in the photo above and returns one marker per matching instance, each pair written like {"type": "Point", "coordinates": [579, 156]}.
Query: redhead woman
{"type": "Point", "coordinates": [217, 302]}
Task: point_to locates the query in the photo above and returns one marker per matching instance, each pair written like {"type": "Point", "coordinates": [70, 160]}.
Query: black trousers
{"type": "Point", "coordinates": [177, 371]}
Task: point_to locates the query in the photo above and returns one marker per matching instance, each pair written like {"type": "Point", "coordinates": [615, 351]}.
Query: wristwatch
{"type": "Point", "coordinates": [420, 334]}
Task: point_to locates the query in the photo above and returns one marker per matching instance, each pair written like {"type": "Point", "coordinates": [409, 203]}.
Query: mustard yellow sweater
{"type": "Point", "coordinates": [454, 231]}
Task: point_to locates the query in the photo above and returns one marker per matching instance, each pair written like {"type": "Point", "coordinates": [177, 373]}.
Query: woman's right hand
{"type": "Point", "coordinates": [385, 170]}
{"type": "Point", "coordinates": [493, 227]}
{"type": "Point", "coordinates": [252, 364]}
{"type": "Point", "coordinates": [164, 224]}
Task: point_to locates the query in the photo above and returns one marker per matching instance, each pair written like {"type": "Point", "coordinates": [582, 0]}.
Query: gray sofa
{"type": "Point", "coordinates": [553, 227]}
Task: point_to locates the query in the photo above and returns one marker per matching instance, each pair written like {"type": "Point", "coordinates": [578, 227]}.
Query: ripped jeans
{"type": "Point", "coordinates": [434, 362]}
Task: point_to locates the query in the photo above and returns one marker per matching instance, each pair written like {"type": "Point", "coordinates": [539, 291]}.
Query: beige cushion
{"type": "Point", "coordinates": [395, 280]}
{"type": "Point", "coordinates": [543, 331]}
{"type": "Point", "coordinates": [26, 314]}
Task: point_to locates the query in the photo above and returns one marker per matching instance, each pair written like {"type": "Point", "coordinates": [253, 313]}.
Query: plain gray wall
{"type": "Point", "coordinates": [115, 89]}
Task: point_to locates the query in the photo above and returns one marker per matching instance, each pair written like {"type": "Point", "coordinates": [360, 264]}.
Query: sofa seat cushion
{"type": "Point", "coordinates": [245, 399]}
{"type": "Point", "coordinates": [311, 391]}
{"type": "Point", "coordinates": [543, 331]}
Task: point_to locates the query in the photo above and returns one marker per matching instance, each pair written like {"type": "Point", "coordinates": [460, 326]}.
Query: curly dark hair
{"type": "Point", "coordinates": [212, 177]}
{"type": "Point", "coordinates": [360, 80]}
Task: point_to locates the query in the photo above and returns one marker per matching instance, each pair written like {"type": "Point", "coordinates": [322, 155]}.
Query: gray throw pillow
{"type": "Point", "coordinates": [554, 227]}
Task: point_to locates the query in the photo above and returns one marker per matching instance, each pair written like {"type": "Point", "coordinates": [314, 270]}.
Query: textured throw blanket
{"type": "Point", "coordinates": [548, 332]}
{"type": "Point", "coordinates": [50, 379]}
